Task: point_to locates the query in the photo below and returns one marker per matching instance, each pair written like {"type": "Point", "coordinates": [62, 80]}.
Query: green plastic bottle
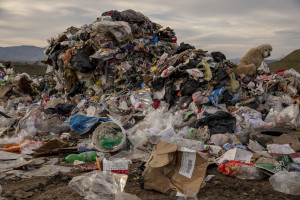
{"type": "Point", "coordinates": [85, 156]}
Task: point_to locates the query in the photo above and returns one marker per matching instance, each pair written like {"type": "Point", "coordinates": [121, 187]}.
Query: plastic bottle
{"type": "Point", "coordinates": [86, 156]}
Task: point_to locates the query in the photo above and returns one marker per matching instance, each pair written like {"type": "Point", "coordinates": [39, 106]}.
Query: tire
{"type": "Point", "coordinates": [264, 136]}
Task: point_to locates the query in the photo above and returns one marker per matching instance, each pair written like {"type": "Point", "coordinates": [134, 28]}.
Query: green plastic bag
{"type": "Point", "coordinates": [109, 143]}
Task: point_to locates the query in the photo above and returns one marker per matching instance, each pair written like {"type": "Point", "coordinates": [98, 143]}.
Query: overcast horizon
{"type": "Point", "coordinates": [232, 26]}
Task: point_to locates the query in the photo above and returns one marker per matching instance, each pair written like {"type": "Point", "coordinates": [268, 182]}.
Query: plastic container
{"type": "Point", "coordinates": [109, 137]}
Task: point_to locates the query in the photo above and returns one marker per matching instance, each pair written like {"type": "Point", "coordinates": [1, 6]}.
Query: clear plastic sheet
{"type": "Point", "coordinates": [286, 182]}
{"type": "Point", "coordinates": [99, 185]}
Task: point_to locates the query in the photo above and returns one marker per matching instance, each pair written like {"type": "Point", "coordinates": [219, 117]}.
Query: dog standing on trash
{"type": "Point", "coordinates": [253, 59]}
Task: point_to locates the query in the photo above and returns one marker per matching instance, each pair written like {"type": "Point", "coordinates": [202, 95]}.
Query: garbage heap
{"type": "Point", "coordinates": [121, 88]}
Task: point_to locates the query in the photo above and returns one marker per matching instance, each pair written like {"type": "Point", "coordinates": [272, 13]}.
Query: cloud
{"type": "Point", "coordinates": [231, 26]}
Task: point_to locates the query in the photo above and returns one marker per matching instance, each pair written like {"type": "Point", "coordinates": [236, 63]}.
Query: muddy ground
{"type": "Point", "coordinates": [219, 187]}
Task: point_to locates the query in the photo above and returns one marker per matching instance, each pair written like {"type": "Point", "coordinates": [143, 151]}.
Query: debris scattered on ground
{"type": "Point", "coordinates": [120, 91]}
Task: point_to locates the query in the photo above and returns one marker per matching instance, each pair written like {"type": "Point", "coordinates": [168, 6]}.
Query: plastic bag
{"type": "Point", "coordinates": [216, 96]}
{"type": "Point", "coordinates": [207, 70]}
{"type": "Point", "coordinates": [275, 100]}
{"type": "Point", "coordinates": [141, 99]}
{"type": "Point", "coordinates": [81, 62]}
{"type": "Point", "coordinates": [152, 135]}
{"type": "Point", "coordinates": [28, 124]}
{"type": "Point", "coordinates": [189, 87]}
{"type": "Point", "coordinates": [54, 125]}
{"type": "Point", "coordinates": [249, 173]}
{"type": "Point", "coordinates": [109, 136]}
{"type": "Point", "coordinates": [199, 98]}
{"type": "Point", "coordinates": [195, 73]}
{"type": "Point", "coordinates": [159, 94]}
{"type": "Point", "coordinates": [240, 170]}
{"type": "Point", "coordinates": [99, 185]}
{"type": "Point", "coordinates": [292, 72]}
{"type": "Point", "coordinates": [219, 122]}
{"type": "Point", "coordinates": [233, 82]}
{"type": "Point", "coordinates": [120, 29]}
{"type": "Point", "coordinates": [273, 113]}
{"type": "Point", "coordinates": [292, 91]}
{"type": "Point", "coordinates": [6, 122]}
{"type": "Point", "coordinates": [123, 104]}
{"type": "Point", "coordinates": [92, 111]}
{"type": "Point", "coordinates": [220, 139]}
{"type": "Point", "coordinates": [288, 115]}
{"type": "Point", "coordinates": [286, 182]}
{"type": "Point", "coordinates": [167, 72]}
{"type": "Point", "coordinates": [82, 124]}
{"type": "Point", "coordinates": [64, 109]}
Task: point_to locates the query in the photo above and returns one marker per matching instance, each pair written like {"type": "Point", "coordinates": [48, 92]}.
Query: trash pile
{"type": "Point", "coordinates": [122, 89]}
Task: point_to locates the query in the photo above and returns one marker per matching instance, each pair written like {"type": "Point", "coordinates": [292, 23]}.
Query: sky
{"type": "Point", "coordinates": [229, 26]}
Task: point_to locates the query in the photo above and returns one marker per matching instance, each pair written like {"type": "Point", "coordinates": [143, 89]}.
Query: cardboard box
{"type": "Point", "coordinates": [172, 169]}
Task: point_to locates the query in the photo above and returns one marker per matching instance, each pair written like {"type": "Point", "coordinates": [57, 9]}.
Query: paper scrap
{"type": "Point", "coordinates": [187, 164]}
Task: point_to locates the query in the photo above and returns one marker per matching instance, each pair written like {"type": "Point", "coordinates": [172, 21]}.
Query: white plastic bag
{"type": "Point", "coordinates": [286, 182]}
{"type": "Point", "coordinates": [273, 113]}
{"type": "Point", "coordinates": [220, 139]}
{"type": "Point", "coordinates": [99, 185]}
{"type": "Point", "coordinates": [288, 115]}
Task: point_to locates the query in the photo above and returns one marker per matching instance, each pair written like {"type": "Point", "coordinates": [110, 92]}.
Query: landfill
{"type": "Point", "coordinates": [122, 89]}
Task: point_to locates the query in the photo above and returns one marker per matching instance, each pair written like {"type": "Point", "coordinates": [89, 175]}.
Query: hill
{"type": "Point", "coordinates": [290, 61]}
{"type": "Point", "coordinates": [236, 60]}
{"type": "Point", "coordinates": [22, 53]}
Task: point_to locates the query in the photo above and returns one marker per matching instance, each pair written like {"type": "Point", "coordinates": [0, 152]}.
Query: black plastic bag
{"type": "Point", "coordinates": [171, 95]}
{"type": "Point", "coordinates": [42, 86]}
{"type": "Point", "coordinates": [218, 56]}
{"type": "Point", "coordinates": [52, 92]}
{"type": "Point", "coordinates": [183, 47]}
{"type": "Point", "coordinates": [132, 16]}
{"type": "Point", "coordinates": [227, 98]}
{"type": "Point", "coordinates": [219, 122]}
{"type": "Point", "coordinates": [76, 89]}
{"type": "Point", "coordinates": [81, 62]}
{"type": "Point", "coordinates": [115, 15]}
{"type": "Point", "coordinates": [158, 84]}
{"type": "Point", "coordinates": [254, 104]}
{"type": "Point", "coordinates": [64, 109]}
{"type": "Point", "coordinates": [222, 74]}
{"type": "Point", "coordinates": [192, 64]}
{"type": "Point", "coordinates": [189, 87]}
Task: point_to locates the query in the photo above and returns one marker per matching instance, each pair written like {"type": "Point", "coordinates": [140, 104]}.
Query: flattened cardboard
{"type": "Point", "coordinates": [53, 146]}
{"type": "Point", "coordinates": [4, 90]}
{"type": "Point", "coordinates": [287, 139]}
{"type": "Point", "coordinates": [162, 171]}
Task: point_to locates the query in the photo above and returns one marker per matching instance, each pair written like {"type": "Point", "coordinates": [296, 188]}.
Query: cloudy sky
{"type": "Point", "coordinates": [229, 26]}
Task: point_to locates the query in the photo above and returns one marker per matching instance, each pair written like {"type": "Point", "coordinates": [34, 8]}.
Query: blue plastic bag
{"type": "Point", "coordinates": [154, 39]}
{"type": "Point", "coordinates": [215, 96]}
{"type": "Point", "coordinates": [82, 124]}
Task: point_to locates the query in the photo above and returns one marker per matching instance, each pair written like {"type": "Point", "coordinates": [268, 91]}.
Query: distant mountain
{"type": "Point", "coordinates": [22, 53]}
{"type": "Point", "coordinates": [290, 61]}
{"type": "Point", "coordinates": [236, 60]}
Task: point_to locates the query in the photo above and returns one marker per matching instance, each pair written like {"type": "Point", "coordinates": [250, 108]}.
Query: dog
{"type": "Point", "coordinates": [253, 59]}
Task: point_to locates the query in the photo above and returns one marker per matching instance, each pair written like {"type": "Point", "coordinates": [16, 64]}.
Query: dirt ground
{"type": "Point", "coordinates": [219, 187]}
